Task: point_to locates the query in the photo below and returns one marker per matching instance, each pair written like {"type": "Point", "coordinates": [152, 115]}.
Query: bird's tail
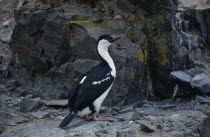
{"type": "Point", "coordinates": [67, 120]}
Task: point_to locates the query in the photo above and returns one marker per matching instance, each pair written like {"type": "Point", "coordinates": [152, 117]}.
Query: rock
{"type": "Point", "coordinates": [193, 4]}
{"type": "Point", "coordinates": [167, 129]}
{"type": "Point", "coordinates": [159, 127]}
{"type": "Point", "coordinates": [203, 99]}
{"type": "Point", "coordinates": [39, 114]}
{"type": "Point", "coordinates": [194, 78]}
{"type": "Point", "coordinates": [17, 120]}
{"type": "Point", "coordinates": [204, 128]}
{"type": "Point", "coordinates": [126, 6]}
{"type": "Point", "coordinates": [3, 67]}
{"type": "Point", "coordinates": [124, 110]}
{"type": "Point", "coordinates": [127, 116]}
{"type": "Point", "coordinates": [28, 105]}
{"type": "Point", "coordinates": [202, 82]}
{"type": "Point", "coordinates": [146, 127]}
{"type": "Point", "coordinates": [165, 107]}
{"type": "Point", "coordinates": [20, 3]}
{"type": "Point", "coordinates": [2, 128]}
{"type": "Point", "coordinates": [118, 17]}
{"type": "Point", "coordinates": [127, 133]}
{"type": "Point", "coordinates": [6, 30]}
{"type": "Point", "coordinates": [105, 109]}
{"type": "Point", "coordinates": [82, 66]}
{"type": "Point", "coordinates": [20, 91]}
{"type": "Point", "coordinates": [97, 18]}
{"type": "Point", "coordinates": [57, 103]}
{"type": "Point", "coordinates": [181, 75]}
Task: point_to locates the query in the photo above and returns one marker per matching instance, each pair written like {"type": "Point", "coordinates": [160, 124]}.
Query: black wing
{"type": "Point", "coordinates": [97, 81]}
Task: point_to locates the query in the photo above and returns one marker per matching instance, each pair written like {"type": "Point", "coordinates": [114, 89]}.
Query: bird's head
{"type": "Point", "coordinates": [106, 40]}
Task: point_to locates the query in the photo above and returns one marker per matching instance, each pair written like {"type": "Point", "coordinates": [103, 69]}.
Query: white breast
{"type": "Point", "coordinates": [97, 103]}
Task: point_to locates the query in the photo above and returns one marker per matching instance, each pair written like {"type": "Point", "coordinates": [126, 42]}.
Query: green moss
{"type": "Point", "coordinates": [140, 56]}
{"type": "Point", "coordinates": [133, 19]}
{"type": "Point", "coordinates": [54, 3]}
{"type": "Point", "coordinates": [76, 19]}
{"type": "Point", "coordinates": [37, 6]}
{"type": "Point", "coordinates": [132, 75]}
{"type": "Point", "coordinates": [158, 48]}
{"type": "Point", "coordinates": [141, 78]}
{"type": "Point", "coordinates": [160, 54]}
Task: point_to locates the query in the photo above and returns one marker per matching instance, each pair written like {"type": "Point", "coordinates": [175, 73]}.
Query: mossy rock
{"type": "Point", "coordinates": [53, 3]}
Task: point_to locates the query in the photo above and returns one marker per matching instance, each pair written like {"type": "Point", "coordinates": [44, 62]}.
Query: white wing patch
{"type": "Point", "coordinates": [108, 74]}
{"type": "Point", "coordinates": [99, 82]}
{"type": "Point", "coordinates": [83, 79]}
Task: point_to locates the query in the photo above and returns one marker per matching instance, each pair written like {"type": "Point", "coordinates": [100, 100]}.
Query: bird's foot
{"type": "Point", "coordinates": [87, 117]}
{"type": "Point", "coordinates": [95, 118]}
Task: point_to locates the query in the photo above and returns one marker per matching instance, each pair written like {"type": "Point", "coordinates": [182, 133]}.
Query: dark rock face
{"type": "Point", "coordinates": [53, 45]}
{"type": "Point", "coordinates": [146, 128]}
{"type": "Point", "coordinates": [204, 128]}
{"type": "Point", "coordinates": [28, 105]}
{"type": "Point", "coordinates": [202, 81]}
{"type": "Point", "coordinates": [195, 78]}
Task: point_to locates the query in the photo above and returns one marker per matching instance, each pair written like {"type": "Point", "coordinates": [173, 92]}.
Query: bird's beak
{"type": "Point", "coordinates": [114, 38]}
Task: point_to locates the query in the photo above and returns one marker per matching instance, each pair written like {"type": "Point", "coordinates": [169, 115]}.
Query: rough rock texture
{"type": "Point", "coordinates": [204, 128]}
{"type": "Point", "coordinates": [28, 105]}
{"type": "Point", "coordinates": [174, 119]}
{"type": "Point", "coordinates": [193, 4]}
{"type": "Point", "coordinates": [7, 24]}
{"type": "Point", "coordinates": [164, 53]}
{"type": "Point", "coordinates": [55, 46]}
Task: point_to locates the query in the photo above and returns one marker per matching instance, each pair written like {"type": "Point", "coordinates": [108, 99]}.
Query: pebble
{"type": "Point", "coordinates": [118, 17]}
{"type": "Point", "coordinates": [167, 129]}
{"type": "Point", "coordinates": [146, 127]}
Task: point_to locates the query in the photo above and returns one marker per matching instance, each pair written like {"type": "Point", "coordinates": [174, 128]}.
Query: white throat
{"type": "Point", "coordinates": [103, 52]}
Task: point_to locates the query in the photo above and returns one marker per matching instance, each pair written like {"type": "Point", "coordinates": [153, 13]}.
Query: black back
{"type": "Point", "coordinates": [84, 94]}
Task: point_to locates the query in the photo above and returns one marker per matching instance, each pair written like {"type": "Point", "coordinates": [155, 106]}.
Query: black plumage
{"type": "Point", "coordinates": [89, 87]}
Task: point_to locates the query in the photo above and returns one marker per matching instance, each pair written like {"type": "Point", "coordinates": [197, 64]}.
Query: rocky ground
{"type": "Point", "coordinates": [34, 117]}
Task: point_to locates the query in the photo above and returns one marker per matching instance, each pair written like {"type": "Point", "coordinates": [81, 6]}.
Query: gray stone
{"type": "Point", "coordinates": [202, 82]}
{"type": "Point", "coordinates": [126, 6]}
{"type": "Point", "coordinates": [181, 75]}
{"type": "Point", "coordinates": [28, 105]}
{"type": "Point", "coordinates": [204, 128]}
{"type": "Point", "coordinates": [61, 103]}
{"type": "Point", "coordinates": [193, 4]}
{"type": "Point", "coordinates": [203, 99]}
{"type": "Point", "coordinates": [146, 127]}
{"type": "Point", "coordinates": [20, 91]}
{"type": "Point", "coordinates": [167, 129]}
{"type": "Point", "coordinates": [2, 128]}
{"type": "Point", "coordinates": [39, 114]}
{"type": "Point", "coordinates": [118, 17]}
{"type": "Point", "coordinates": [6, 30]}
{"type": "Point", "coordinates": [84, 65]}
{"type": "Point", "coordinates": [3, 67]}
{"type": "Point", "coordinates": [17, 120]}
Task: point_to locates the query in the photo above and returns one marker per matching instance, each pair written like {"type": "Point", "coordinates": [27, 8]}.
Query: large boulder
{"type": "Point", "coordinates": [202, 82]}
{"type": "Point", "coordinates": [194, 78]}
{"type": "Point", "coordinates": [204, 128]}
{"type": "Point", "coordinates": [54, 47]}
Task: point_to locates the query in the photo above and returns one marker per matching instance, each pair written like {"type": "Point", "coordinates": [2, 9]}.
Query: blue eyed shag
{"type": "Point", "coordinates": [90, 90]}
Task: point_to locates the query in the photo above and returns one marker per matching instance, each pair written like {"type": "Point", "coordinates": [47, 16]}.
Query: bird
{"type": "Point", "coordinates": [91, 88]}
